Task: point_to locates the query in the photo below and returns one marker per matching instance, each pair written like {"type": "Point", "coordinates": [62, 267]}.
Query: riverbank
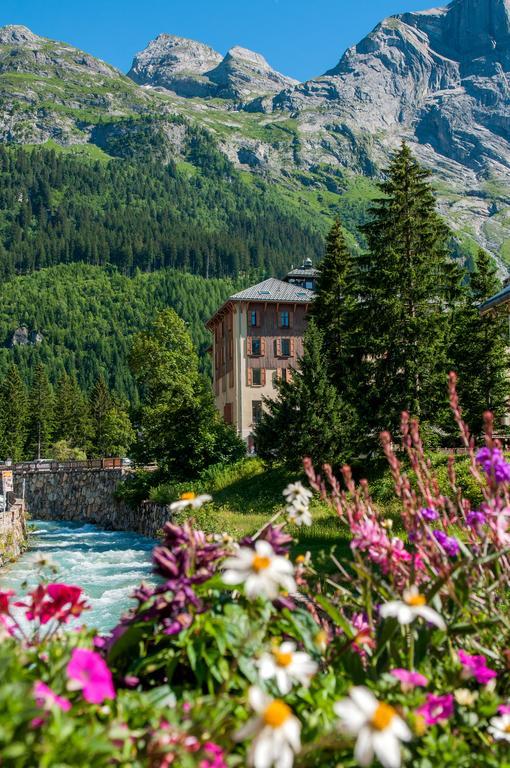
{"type": "Point", "coordinates": [13, 533]}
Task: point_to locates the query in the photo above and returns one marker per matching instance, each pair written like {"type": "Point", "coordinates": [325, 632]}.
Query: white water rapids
{"type": "Point", "coordinates": [107, 565]}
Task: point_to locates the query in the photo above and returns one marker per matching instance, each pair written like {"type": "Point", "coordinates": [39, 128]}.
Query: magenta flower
{"type": "Point", "coordinates": [5, 596]}
{"type": "Point", "coordinates": [476, 666]}
{"type": "Point", "coordinates": [504, 709]}
{"type": "Point", "coordinates": [88, 672]}
{"type": "Point", "coordinates": [46, 698]}
{"type": "Point", "coordinates": [436, 708]}
{"type": "Point", "coordinates": [409, 679]}
{"type": "Point", "coordinates": [214, 757]}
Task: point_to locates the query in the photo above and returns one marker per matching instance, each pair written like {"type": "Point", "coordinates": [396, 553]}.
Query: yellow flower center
{"type": "Point", "coordinates": [276, 714]}
{"type": "Point", "coordinates": [300, 559]}
{"type": "Point", "coordinates": [188, 496]}
{"type": "Point", "coordinates": [382, 717]}
{"type": "Point", "coordinates": [416, 600]}
{"type": "Point", "coordinates": [282, 659]}
{"type": "Point", "coordinates": [507, 729]}
{"type": "Point", "coordinates": [260, 563]}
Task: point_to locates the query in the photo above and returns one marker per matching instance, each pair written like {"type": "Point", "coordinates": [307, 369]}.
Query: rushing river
{"type": "Point", "coordinates": [107, 565]}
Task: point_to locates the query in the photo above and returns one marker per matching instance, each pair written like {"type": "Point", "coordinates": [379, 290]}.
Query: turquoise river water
{"type": "Point", "coordinates": [107, 565]}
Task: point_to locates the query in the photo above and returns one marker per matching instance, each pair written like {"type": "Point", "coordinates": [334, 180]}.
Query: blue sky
{"type": "Point", "coordinates": [301, 38]}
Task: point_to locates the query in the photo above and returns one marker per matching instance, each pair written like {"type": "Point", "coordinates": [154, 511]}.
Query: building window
{"type": "Point", "coordinates": [255, 346]}
{"type": "Point", "coordinates": [285, 347]}
{"type": "Point", "coordinates": [309, 284]}
{"type": "Point", "coordinates": [285, 375]}
{"type": "Point", "coordinates": [256, 411]}
{"type": "Point", "coordinates": [253, 318]}
{"type": "Point", "coordinates": [256, 377]}
{"type": "Point", "coordinates": [284, 319]}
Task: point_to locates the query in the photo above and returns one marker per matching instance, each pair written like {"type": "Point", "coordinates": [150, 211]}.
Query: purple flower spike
{"type": "Point", "coordinates": [494, 464]}
{"type": "Point", "coordinates": [429, 514]}
{"type": "Point", "coordinates": [475, 518]}
{"type": "Point", "coordinates": [448, 543]}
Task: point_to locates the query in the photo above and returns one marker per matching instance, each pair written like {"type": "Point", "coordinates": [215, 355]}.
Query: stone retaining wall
{"type": "Point", "coordinates": [13, 533]}
{"type": "Point", "coordinates": [87, 495]}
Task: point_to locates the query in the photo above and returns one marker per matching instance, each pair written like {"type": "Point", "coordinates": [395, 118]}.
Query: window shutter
{"type": "Point", "coordinates": [262, 346]}
{"type": "Point", "coordinates": [250, 377]}
{"type": "Point", "coordinates": [290, 371]}
{"type": "Point", "coordinates": [278, 347]}
{"type": "Point", "coordinates": [263, 377]}
{"type": "Point", "coordinates": [291, 319]}
{"type": "Point", "coordinates": [292, 347]}
{"type": "Point", "coordinates": [279, 374]}
{"type": "Point", "coordinates": [257, 315]}
{"type": "Point", "coordinates": [249, 346]}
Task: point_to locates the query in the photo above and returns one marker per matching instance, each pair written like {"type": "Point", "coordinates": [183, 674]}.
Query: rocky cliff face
{"type": "Point", "coordinates": [440, 79]}
{"type": "Point", "coordinates": [191, 69]}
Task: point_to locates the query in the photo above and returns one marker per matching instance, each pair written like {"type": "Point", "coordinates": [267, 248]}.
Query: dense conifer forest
{"type": "Point", "coordinates": [87, 316]}
{"type": "Point", "coordinates": [202, 216]}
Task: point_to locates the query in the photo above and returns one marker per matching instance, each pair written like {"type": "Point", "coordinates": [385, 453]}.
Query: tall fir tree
{"type": "Point", "coordinates": [308, 418]}
{"type": "Point", "coordinates": [42, 414]}
{"type": "Point", "coordinates": [479, 347]}
{"type": "Point", "coordinates": [100, 404]}
{"type": "Point", "coordinates": [72, 422]}
{"type": "Point", "coordinates": [14, 415]}
{"type": "Point", "coordinates": [334, 307]}
{"type": "Point", "coordinates": [405, 296]}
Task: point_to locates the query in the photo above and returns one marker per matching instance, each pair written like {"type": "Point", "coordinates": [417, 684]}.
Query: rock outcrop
{"type": "Point", "coordinates": [192, 69]}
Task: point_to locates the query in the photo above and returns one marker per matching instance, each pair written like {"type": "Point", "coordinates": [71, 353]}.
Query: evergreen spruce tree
{"type": "Point", "coordinates": [405, 294]}
{"type": "Point", "coordinates": [100, 404]}
{"type": "Point", "coordinates": [42, 414]}
{"type": "Point", "coordinates": [14, 415]}
{"type": "Point", "coordinates": [334, 305]}
{"type": "Point", "coordinates": [308, 418]}
{"type": "Point", "coordinates": [479, 348]}
{"type": "Point", "coordinates": [72, 422]}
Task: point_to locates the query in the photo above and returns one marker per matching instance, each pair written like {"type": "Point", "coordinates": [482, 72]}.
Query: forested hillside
{"type": "Point", "coordinates": [87, 316]}
{"type": "Point", "coordinates": [203, 217]}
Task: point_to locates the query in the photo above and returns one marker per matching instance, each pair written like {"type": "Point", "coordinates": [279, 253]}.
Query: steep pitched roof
{"type": "Point", "coordinates": [275, 290]}
{"type": "Point", "coordinates": [500, 298]}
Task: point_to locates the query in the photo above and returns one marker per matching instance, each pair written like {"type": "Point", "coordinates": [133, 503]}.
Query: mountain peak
{"type": "Point", "coordinates": [478, 24]}
{"type": "Point", "coordinates": [237, 52]}
{"type": "Point", "coordinates": [15, 34]}
{"type": "Point", "coordinates": [175, 63]}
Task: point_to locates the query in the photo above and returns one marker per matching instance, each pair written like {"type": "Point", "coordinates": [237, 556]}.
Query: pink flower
{"type": "Point", "coordinates": [436, 708]}
{"type": "Point", "coordinates": [88, 672]}
{"type": "Point", "coordinates": [46, 698]}
{"type": "Point", "coordinates": [504, 709]}
{"type": "Point", "coordinates": [5, 596]}
{"type": "Point", "coordinates": [476, 666]}
{"type": "Point", "coordinates": [409, 679]}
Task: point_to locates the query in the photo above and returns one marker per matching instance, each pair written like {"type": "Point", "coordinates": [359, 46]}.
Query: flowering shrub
{"type": "Point", "coordinates": [399, 654]}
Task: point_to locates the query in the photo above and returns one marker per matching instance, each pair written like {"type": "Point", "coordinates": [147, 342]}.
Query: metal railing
{"type": "Point", "coordinates": [63, 466]}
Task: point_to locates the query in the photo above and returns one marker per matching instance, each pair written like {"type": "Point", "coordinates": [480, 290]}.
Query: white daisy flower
{"type": "Point", "coordinates": [299, 513]}
{"type": "Point", "coordinates": [297, 492]}
{"type": "Point", "coordinates": [287, 666]}
{"type": "Point", "coordinates": [262, 572]}
{"type": "Point", "coordinates": [378, 728]}
{"type": "Point", "coordinates": [413, 606]}
{"type": "Point", "coordinates": [190, 500]}
{"type": "Point", "coordinates": [276, 730]}
{"type": "Point", "coordinates": [499, 728]}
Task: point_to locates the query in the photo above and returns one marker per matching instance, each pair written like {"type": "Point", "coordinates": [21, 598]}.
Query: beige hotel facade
{"type": "Point", "coordinates": [257, 339]}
